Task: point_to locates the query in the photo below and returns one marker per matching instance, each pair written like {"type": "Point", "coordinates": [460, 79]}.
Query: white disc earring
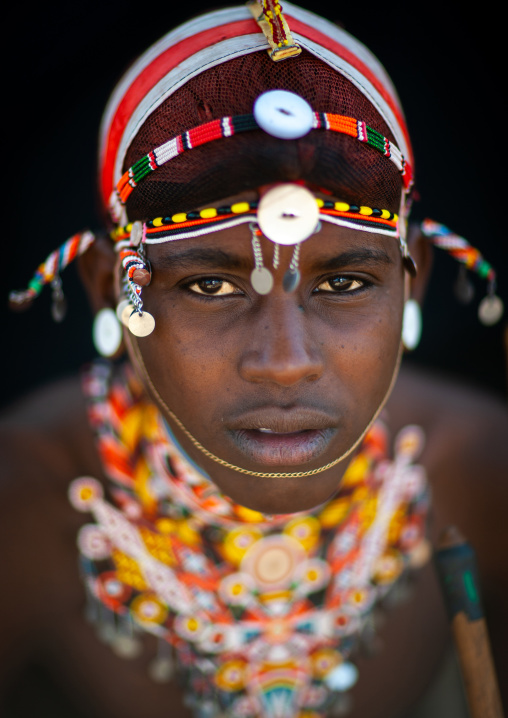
{"type": "Point", "coordinates": [106, 332]}
{"type": "Point", "coordinates": [411, 324]}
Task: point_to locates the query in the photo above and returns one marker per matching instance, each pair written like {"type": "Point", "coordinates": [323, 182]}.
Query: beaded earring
{"type": "Point", "coordinates": [411, 324]}
{"type": "Point", "coordinates": [106, 332]}
{"type": "Point", "coordinates": [138, 274]}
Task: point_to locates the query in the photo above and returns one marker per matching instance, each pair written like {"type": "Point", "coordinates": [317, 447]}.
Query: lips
{"type": "Point", "coordinates": [283, 437]}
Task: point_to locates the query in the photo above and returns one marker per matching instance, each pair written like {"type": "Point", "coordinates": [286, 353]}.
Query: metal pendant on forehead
{"type": "Point", "coordinates": [262, 280]}
{"type": "Point", "coordinates": [291, 280]}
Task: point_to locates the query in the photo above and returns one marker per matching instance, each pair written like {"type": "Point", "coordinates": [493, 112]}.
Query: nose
{"type": "Point", "coordinates": [281, 349]}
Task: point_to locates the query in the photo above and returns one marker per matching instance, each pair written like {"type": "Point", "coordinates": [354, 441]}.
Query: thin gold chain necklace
{"type": "Point", "coordinates": [139, 365]}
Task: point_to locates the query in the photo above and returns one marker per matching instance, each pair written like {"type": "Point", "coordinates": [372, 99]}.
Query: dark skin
{"type": "Point", "coordinates": [465, 456]}
{"type": "Point", "coordinates": [322, 357]}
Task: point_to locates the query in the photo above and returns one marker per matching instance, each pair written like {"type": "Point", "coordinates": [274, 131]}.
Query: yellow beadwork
{"type": "Point", "coordinates": [240, 207]}
{"type": "Point", "coordinates": [127, 571]}
{"type": "Point", "coordinates": [157, 222]}
{"type": "Point", "coordinates": [180, 217]}
{"type": "Point", "coordinates": [208, 213]}
{"type": "Point", "coordinates": [342, 206]}
{"type": "Point", "coordinates": [365, 210]}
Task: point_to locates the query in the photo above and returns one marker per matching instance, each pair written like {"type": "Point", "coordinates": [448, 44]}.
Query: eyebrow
{"type": "Point", "coordinates": [214, 258]}
{"type": "Point", "coordinates": [190, 259]}
{"type": "Point", "coordinates": [352, 257]}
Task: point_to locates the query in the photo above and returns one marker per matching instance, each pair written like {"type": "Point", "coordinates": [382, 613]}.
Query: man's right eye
{"type": "Point", "coordinates": [213, 286]}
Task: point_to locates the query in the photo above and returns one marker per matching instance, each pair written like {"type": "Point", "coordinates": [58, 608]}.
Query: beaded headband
{"type": "Point", "coordinates": [262, 118]}
{"type": "Point", "coordinates": [213, 219]}
{"type": "Point", "coordinates": [220, 36]}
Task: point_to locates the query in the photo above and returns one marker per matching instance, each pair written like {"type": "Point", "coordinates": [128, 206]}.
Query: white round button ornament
{"type": "Point", "coordinates": [283, 114]}
{"type": "Point", "coordinates": [288, 214]}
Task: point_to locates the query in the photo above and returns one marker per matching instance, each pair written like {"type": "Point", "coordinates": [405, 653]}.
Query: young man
{"type": "Point", "coordinates": [248, 512]}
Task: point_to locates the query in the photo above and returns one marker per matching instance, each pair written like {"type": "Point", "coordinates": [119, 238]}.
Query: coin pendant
{"type": "Point", "coordinates": [490, 310]}
{"type": "Point", "coordinates": [261, 280]}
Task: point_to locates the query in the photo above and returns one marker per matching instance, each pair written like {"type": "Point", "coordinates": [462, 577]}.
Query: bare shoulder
{"type": "Point", "coordinates": [460, 421]}
{"type": "Point", "coordinates": [45, 442]}
{"type": "Point", "coordinates": [466, 457]}
{"type": "Point", "coordinates": [45, 435]}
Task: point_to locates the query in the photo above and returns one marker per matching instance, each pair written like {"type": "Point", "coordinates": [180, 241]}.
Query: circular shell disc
{"type": "Point", "coordinates": [107, 332]}
{"type": "Point", "coordinates": [283, 114]}
{"type": "Point", "coordinates": [261, 280]}
{"type": "Point", "coordinates": [288, 214]}
{"type": "Point", "coordinates": [136, 234]}
{"type": "Point", "coordinates": [141, 325]}
{"type": "Point", "coordinates": [490, 310]}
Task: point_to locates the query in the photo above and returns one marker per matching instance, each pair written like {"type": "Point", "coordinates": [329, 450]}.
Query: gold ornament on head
{"type": "Point", "coordinates": [269, 17]}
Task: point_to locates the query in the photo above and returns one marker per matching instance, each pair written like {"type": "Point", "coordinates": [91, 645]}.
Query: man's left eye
{"type": "Point", "coordinates": [213, 286]}
{"type": "Point", "coordinates": [340, 284]}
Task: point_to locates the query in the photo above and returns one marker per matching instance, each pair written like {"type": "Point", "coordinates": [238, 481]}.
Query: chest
{"type": "Point", "coordinates": [394, 671]}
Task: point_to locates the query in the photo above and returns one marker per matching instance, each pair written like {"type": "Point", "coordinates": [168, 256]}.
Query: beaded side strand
{"type": "Point", "coordinates": [491, 307]}
{"type": "Point", "coordinates": [48, 272]}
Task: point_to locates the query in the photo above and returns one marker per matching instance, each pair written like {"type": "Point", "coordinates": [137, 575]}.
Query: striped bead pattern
{"type": "Point", "coordinates": [181, 223]}
{"type": "Point", "coordinates": [229, 126]}
{"type": "Point", "coordinates": [459, 248]}
{"type": "Point", "coordinates": [52, 266]}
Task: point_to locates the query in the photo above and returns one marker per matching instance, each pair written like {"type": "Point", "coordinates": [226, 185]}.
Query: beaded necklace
{"type": "Point", "coordinates": [261, 613]}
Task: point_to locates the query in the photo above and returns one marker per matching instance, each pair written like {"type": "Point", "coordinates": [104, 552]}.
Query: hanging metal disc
{"type": "Point", "coordinates": [490, 310]}
{"type": "Point", "coordinates": [261, 280]}
{"type": "Point", "coordinates": [291, 280]}
{"type": "Point", "coordinates": [141, 325]}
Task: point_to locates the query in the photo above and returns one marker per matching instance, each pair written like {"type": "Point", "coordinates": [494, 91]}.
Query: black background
{"type": "Point", "coordinates": [61, 62]}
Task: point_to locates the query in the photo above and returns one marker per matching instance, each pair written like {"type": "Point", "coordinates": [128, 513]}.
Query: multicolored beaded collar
{"type": "Point", "coordinates": [262, 614]}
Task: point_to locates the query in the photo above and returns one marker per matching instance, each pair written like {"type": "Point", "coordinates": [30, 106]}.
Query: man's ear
{"type": "Point", "coordinates": [96, 268]}
{"type": "Point", "coordinates": [422, 252]}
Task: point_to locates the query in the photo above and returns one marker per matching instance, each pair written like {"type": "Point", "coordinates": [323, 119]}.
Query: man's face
{"type": "Point", "coordinates": [281, 382]}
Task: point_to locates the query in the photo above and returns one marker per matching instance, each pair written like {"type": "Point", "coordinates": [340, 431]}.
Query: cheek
{"type": "Point", "coordinates": [363, 354]}
{"type": "Point", "coordinates": [186, 359]}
